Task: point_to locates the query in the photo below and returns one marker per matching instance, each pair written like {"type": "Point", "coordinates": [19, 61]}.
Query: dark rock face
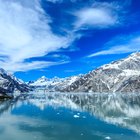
{"type": "Point", "coordinates": [10, 84]}
{"type": "Point", "coordinates": [131, 85]}
{"type": "Point", "coordinates": [118, 76]}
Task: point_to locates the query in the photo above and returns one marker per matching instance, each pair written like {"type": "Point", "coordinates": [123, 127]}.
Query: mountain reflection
{"type": "Point", "coordinates": [5, 105]}
{"type": "Point", "coordinates": [117, 109]}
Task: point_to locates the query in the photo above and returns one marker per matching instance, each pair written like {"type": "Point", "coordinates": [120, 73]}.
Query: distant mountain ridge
{"type": "Point", "coordinates": [54, 84]}
{"type": "Point", "coordinates": [118, 76]}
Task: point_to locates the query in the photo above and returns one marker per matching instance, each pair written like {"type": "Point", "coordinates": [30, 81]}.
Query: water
{"type": "Point", "coordinates": [57, 116]}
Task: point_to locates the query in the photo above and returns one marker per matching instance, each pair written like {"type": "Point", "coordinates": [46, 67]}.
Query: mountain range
{"type": "Point", "coordinates": [118, 76]}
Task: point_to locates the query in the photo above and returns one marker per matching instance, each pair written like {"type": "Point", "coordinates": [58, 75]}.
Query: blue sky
{"type": "Point", "coordinates": [66, 37]}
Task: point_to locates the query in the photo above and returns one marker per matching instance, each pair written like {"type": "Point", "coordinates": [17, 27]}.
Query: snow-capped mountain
{"type": "Point", "coordinates": [10, 84]}
{"type": "Point", "coordinates": [41, 82]}
{"type": "Point", "coordinates": [119, 76]}
{"type": "Point", "coordinates": [53, 84]}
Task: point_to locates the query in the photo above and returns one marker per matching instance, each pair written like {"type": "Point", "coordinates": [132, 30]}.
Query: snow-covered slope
{"type": "Point", "coordinates": [10, 84]}
{"type": "Point", "coordinates": [119, 76]}
{"type": "Point", "coordinates": [41, 82]}
{"type": "Point", "coordinates": [53, 84]}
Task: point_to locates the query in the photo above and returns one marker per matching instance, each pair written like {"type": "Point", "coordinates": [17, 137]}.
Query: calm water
{"type": "Point", "coordinates": [56, 116]}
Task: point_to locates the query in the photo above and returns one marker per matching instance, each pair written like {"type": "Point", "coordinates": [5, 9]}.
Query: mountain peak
{"type": "Point", "coordinates": [136, 54]}
{"type": "Point", "coordinates": [43, 78]}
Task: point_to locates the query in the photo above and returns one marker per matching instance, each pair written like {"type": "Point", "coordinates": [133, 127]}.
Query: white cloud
{"type": "Point", "coordinates": [25, 66]}
{"type": "Point", "coordinates": [131, 45]}
{"type": "Point", "coordinates": [25, 33]}
{"type": "Point", "coordinates": [99, 15]}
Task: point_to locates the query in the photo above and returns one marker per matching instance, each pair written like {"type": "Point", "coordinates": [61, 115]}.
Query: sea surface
{"type": "Point", "coordinates": [71, 116]}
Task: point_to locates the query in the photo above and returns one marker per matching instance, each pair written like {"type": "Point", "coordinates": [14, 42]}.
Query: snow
{"type": "Point", "coordinates": [110, 66]}
{"type": "Point", "coordinates": [45, 82]}
{"type": "Point", "coordinates": [72, 79]}
{"type": "Point", "coordinates": [130, 72]}
{"type": "Point", "coordinates": [116, 64]}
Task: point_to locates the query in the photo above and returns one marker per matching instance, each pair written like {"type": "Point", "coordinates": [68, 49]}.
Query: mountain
{"type": "Point", "coordinates": [10, 85]}
{"type": "Point", "coordinates": [54, 84]}
{"type": "Point", "coordinates": [41, 82]}
{"type": "Point", "coordinates": [118, 76]}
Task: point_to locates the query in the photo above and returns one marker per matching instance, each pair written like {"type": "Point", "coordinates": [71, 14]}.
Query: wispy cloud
{"type": "Point", "coordinates": [99, 15]}
{"type": "Point", "coordinates": [129, 44]}
{"type": "Point", "coordinates": [25, 31]}
{"type": "Point", "coordinates": [25, 66]}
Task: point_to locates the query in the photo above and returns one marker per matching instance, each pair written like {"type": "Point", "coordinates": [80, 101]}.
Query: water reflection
{"type": "Point", "coordinates": [118, 109]}
{"type": "Point", "coordinates": [55, 116]}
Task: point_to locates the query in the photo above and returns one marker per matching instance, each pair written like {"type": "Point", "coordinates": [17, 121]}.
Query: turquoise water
{"type": "Point", "coordinates": [57, 116]}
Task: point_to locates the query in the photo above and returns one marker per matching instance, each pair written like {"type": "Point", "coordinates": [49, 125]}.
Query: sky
{"type": "Point", "coordinates": [66, 37]}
